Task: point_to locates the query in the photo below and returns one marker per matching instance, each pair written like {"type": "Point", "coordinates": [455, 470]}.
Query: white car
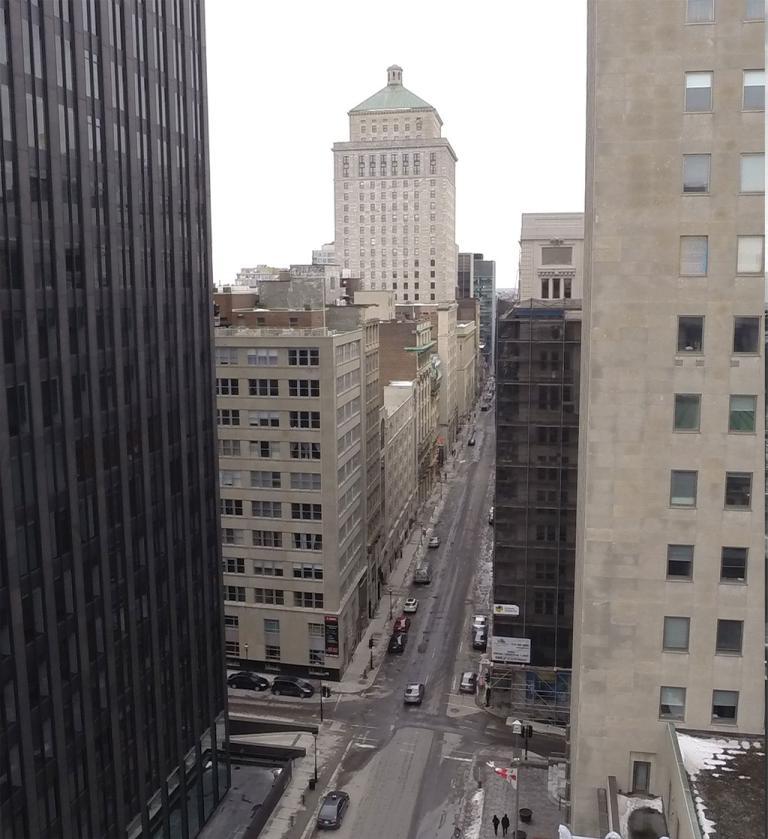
{"type": "Point", "coordinates": [434, 542]}
{"type": "Point", "coordinates": [410, 605]}
{"type": "Point", "coordinates": [414, 694]}
{"type": "Point", "coordinates": [480, 622]}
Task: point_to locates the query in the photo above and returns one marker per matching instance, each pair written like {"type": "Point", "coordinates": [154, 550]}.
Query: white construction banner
{"type": "Point", "coordinates": [510, 650]}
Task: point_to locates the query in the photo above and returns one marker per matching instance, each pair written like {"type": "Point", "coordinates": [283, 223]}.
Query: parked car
{"type": "Point", "coordinates": [468, 683]}
{"type": "Point", "coordinates": [410, 605]}
{"type": "Point", "coordinates": [434, 542]}
{"type": "Point", "coordinates": [479, 622]}
{"type": "Point", "coordinates": [490, 516]}
{"type": "Point", "coordinates": [397, 643]}
{"type": "Point", "coordinates": [402, 624]}
{"type": "Point", "coordinates": [414, 694]}
{"type": "Point", "coordinates": [332, 810]}
{"type": "Point", "coordinates": [423, 574]}
{"type": "Point", "coordinates": [292, 686]}
{"type": "Point", "coordinates": [484, 406]}
{"type": "Point", "coordinates": [244, 680]}
{"type": "Point", "coordinates": [471, 441]}
{"type": "Point", "coordinates": [480, 640]}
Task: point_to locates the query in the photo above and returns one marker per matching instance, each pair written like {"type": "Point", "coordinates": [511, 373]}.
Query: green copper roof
{"type": "Point", "coordinates": [393, 97]}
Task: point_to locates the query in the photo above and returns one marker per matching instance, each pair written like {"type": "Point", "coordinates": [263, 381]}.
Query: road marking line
{"type": "Point", "coordinates": [462, 759]}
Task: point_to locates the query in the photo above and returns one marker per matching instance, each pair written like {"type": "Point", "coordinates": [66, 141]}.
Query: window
{"type": "Point", "coordinates": [231, 507]}
{"type": "Point", "coordinates": [264, 448]}
{"type": "Point", "coordinates": [308, 599]}
{"type": "Point", "coordinates": [226, 356]}
{"type": "Point", "coordinates": [729, 635]}
{"type": "Point", "coordinates": [746, 334]}
{"type": "Point", "coordinates": [267, 568]}
{"type": "Point", "coordinates": [683, 488]}
{"type": "Point", "coordinates": [265, 480]}
{"type": "Point", "coordinates": [679, 562]}
{"type": "Point", "coordinates": [307, 572]}
{"type": "Point", "coordinates": [672, 704]}
{"type": "Point", "coordinates": [687, 411]}
{"type": "Point", "coordinates": [754, 10]}
{"type": "Point", "coordinates": [305, 480]}
{"type": "Point", "coordinates": [696, 169]}
{"type": "Point", "coordinates": [303, 387]}
{"type": "Point", "coordinates": [724, 705]}
{"type": "Point", "coordinates": [233, 565]}
{"type": "Point", "coordinates": [694, 251]}
{"type": "Point", "coordinates": [266, 539]}
{"type": "Point", "coordinates": [263, 387]}
{"type": "Point", "coordinates": [271, 596]}
{"type": "Point", "coordinates": [733, 565]}
{"type": "Point", "coordinates": [262, 358]}
{"type": "Point", "coordinates": [304, 419]}
{"type": "Point", "coordinates": [676, 632]}
{"type": "Point", "coordinates": [690, 333]}
{"type": "Point", "coordinates": [754, 90]}
{"type": "Point", "coordinates": [698, 92]}
{"type": "Point", "coordinates": [700, 11]}
{"type": "Point", "coordinates": [229, 478]}
{"type": "Point", "coordinates": [307, 541]}
{"type": "Point", "coordinates": [309, 357]}
{"type": "Point", "coordinates": [266, 509]}
{"type": "Point", "coordinates": [317, 657]}
{"type": "Point", "coordinates": [232, 536]}
{"type": "Point", "coordinates": [229, 448]}
{"type": "Point", "coordinates": [750, 255]}
{"type": "Point", "coordinates": [227, 387]}
{"type": "Point", "coordinates": [307, 511]}
{"type": "Point", "coordinates": [753, 173]}
{"type": "Point", "coordinates": [738, 490]}
{"type": "Point", "coordinates": [227, 417]}
{"type": "Point", "coordinates": [641, 776]}
{"type": "Point", "coordinates": [264, 419]}
{"type": "Point", "coordinates": [236, 594]}
{"type": "Point", "coordinates": [231, 621]}
{"type": "Point", "coordinates": [742, 413]}
{"type": "Point", "coordinates": [271, 652]}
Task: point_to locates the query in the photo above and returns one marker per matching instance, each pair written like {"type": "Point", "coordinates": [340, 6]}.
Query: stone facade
{"type": "Point", "coordinates": [552, 256]}
{"type": "Point", "coordinates": [466, 368]}
{"type": "Point", "coordinates": [663, 559]}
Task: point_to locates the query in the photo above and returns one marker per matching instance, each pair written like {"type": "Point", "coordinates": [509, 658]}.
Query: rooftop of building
{"type": "Point", "coordinates": [393, 97]}
{"type": "Point", "coordinates": [524, 308]}
{"type": "Point", "coordinates": [552, 226]}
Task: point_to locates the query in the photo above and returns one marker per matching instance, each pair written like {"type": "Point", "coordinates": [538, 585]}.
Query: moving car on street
{"type": "Point", "coordinates": [397, 643]}
{"type": "Point", "coordinates": [434, 542]}
{"type": "Point", "coordinates": [410, 605]}
{"type": "Point", "coordinates": [414, 694]}
{"type": "Point", "coordinates": [244, 680]}
{"type": "Point", "coordinates": [468, 683]}
{"type": "Point", "coordinates": [332, 810]}
{"type": "Point", "coordinates": [292, 686]}
{"type": "Point", "coordinates": [471, 441]}
{"type": "Point", "coordinates": [423, 574]}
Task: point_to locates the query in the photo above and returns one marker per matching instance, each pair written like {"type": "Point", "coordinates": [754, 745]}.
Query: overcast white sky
{"type": "Point", "coordinates": [506, 76]}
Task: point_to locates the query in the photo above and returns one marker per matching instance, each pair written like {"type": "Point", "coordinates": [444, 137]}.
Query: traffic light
{"type": "Point", "coordinates": [370, 643]}
{"type": "Point", "coordinates": [529, 731]}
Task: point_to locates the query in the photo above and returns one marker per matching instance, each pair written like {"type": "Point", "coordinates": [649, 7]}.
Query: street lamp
{"type": "Point", "coordinates": [389, 592]}
{"type": "Point", "coordinates": [315, 733]}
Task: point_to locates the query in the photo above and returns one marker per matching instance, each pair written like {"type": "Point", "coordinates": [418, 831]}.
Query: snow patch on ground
{"type": "Point", "coordinates": [704, 753]}
{"type": "Point", "coordinates": [628, 804]}
{"type": "Point", "coordinates": [475, 816]}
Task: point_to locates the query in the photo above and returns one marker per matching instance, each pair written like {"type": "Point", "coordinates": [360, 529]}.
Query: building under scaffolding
{"type": "Point", "coordinates": [537, 423]}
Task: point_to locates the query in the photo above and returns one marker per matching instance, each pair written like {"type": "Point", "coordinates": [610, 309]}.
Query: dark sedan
{"type": "Point", "coordinates": [248, 681]}
{"type": "Point", "coordinates": [332, 810]}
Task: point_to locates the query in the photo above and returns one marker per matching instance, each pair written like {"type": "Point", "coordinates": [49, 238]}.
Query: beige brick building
{"type": "Point", "coordinates": [669, 601]}
{"type": "Point", "coordinates": [466, 367]}
{"type": "Point", "coordinates": [551, 256]}
{"type": "Point", "coordinates": [395, 196]}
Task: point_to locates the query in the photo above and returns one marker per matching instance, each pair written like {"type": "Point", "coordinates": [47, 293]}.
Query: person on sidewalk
{"type": "Point", "coordinates": [495, 822]}
{"type": "Point", "coordinates": [504, 824]}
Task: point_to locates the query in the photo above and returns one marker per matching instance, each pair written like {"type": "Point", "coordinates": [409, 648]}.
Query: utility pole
{"type": "Point", "coordinates": [315, 733]}
{"type": "Point", "coordinates": [389, 591]}
{"type": "Point", "coordinates": [322, 693]}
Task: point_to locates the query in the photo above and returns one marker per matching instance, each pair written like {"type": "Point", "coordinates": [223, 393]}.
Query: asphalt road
{"type": "Point", "coordinates": [410, 770]}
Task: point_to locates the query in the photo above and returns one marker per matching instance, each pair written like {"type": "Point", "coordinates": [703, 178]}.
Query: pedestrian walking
{"type": "Point", "coordinates": [495, 822]}
{"type": "Point", "coordinates": [504, 824]}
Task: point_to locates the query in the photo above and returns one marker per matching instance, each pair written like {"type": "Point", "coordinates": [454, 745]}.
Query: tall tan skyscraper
{"type": "Point", "coordinates": [668, 621]}
{"type": "Point", "coordinates": [395, 197]}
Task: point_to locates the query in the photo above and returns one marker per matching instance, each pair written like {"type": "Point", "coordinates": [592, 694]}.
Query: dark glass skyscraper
{"type": "Point", "coordinates": [111, 638]}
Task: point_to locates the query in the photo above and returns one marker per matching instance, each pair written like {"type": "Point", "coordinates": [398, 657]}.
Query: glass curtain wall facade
{"type": "Point", "coordinates": [111, 632]}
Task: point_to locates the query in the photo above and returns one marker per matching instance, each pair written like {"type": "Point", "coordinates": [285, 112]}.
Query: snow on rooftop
{"type": "Point", "coordinates": [629, 803]}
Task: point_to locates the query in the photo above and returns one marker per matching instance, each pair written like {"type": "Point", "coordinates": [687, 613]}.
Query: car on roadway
{"type": "Point", "coordinates": [414, 694]}
{"type": "Point", "coordinates": [332, 810]}
{"type": "Point", "coordinates": [471, 441]}
{"type": "Point", "coordinates": [397, 643]}
{"type": "Point", "coordinates": [484, 406]}
{"type": "Point", "coordinates": [422, 576]}
{"type": "Point", "coordinates": [245, 680]}
{"type": "Point", "coordinates": [480, 640]}
{"type": "Point", "coordinates": [292, 686]}
{"type": "Point", "coordinates": [490, 516]}
{"type": "Point", "coordinates": [468, 682]}
{"type": "Point", "coordinates": [479, 622]}
{"type": "Point", "coordinates": [411, 605]}
{"type": "Point", "coordinates": [402, 624]}
{"type": "Point", "coordinates": [434, 542]}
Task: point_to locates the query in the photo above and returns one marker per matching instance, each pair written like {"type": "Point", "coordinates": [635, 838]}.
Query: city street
{"type": "Point", "coordinates": [411, 771]}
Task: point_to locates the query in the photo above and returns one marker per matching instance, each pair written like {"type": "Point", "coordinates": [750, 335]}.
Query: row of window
{"type": "Point", "coordinates": [268, 568]}
{"type": "Point", "coordinates": [273, 539]}
{"type": "Point", "coordinates": [272, 652]}
{"type": "Point", "coordinates": [742, 412]}
{"type": "Point", "coordinates": [746, 334]}
{"type": "Point", "coordinates": [266, 357]}
{"type": "Point", "coordinates": [725, 705]}
{"type": "Point", "coordinates": [733, 563]}
{"type": "Point", "coordinates": [703, 11]}
{"type": "Point", "coordinates": [392, 165]}
{"type": "Point", "coordinates": [271, 509]}
{"type": "Point", "coordinates": [699, 85]}
{"type": "Point", "coordinates": [694, 255]}
{"type": "Point", "coordinates": [270, 480]}
{"type": "Point", "coordinates": [268, 449]}
{"type": "Point", "coordinates": [273, 597]}
{"type": "Point", "coordinates": [683, 489]}
{"type": "Point", "coordinates": [728, 640]}
{"type": "Point", "coordinates": [268, 387]}
{"type": "Point", "coordinates": [697, 173]}
{"type": "Point", "coordinates": [268, 419]}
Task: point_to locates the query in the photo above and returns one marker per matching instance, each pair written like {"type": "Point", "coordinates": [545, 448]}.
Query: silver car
{"type": "Point", "coordinates": [414, 694]}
